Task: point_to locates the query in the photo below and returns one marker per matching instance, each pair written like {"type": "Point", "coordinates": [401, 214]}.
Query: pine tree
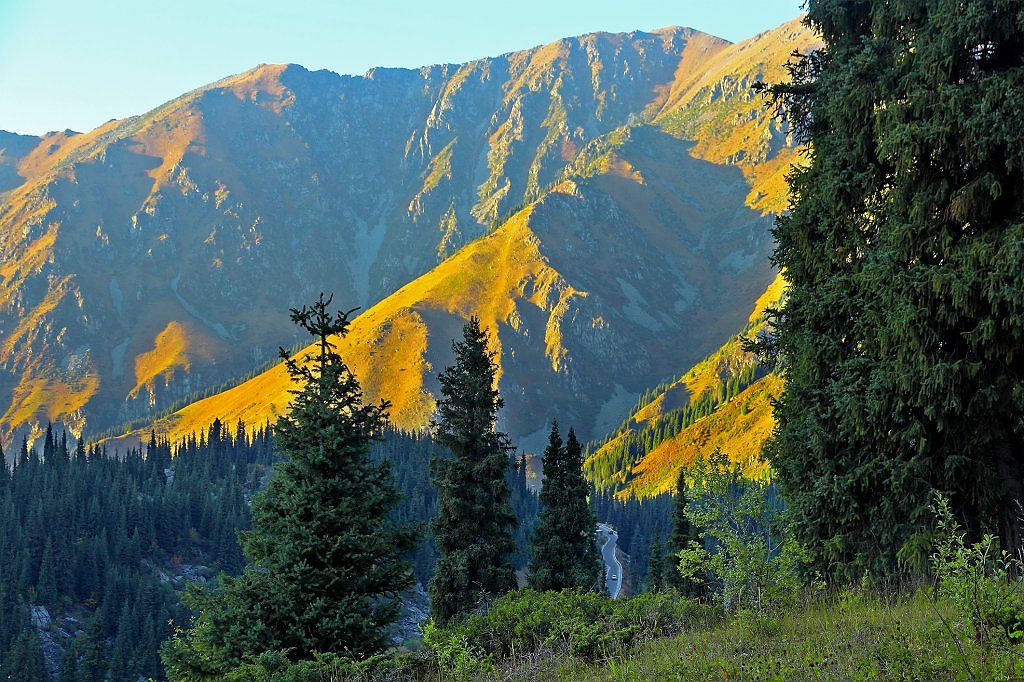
{"type": "Point", "coordinates": [326, 559]}
{"type": "Point", "coordinates": [25, 659]}
{"type": "Point", "coordinates": [46, 585]}
{"type": "Point", "coordinates": [474, 523]}
{"type": "Point", "coordinates": [901, 332]}
{"type": "Point", "coordinates": [69, 673]}
{"type": "Point", "coordinates": [656, 563]}
{"type": "Point", "coordinates": [683, 533]}
{"type": "Point", "coordinates": [564, 553]}
{"type": "Point", "coordinates": [93, 649]}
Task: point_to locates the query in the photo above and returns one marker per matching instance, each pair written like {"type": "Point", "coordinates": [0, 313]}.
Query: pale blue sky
{"type": "Point", "coordinates": [77, 63]}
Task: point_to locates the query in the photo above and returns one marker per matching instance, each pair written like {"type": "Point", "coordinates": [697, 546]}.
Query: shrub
{"type": "Point", "coordinates": [980, 581]}
{"type": "Point", "coordinates": [453, 652]}
{"type": "Point", "coordinates": [581, 623]}
{"type": "Point", "coordinates": [754, 558]}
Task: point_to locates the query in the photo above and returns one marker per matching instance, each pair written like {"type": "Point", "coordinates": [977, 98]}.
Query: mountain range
{"type": "Point", "coordinates": [602, 203]}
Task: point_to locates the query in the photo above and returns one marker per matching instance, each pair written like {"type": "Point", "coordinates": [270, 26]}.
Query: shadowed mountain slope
{"type": "Point", "coordinates": [591, 299]}
{"type": "Point", "coordinates": [577, 196]}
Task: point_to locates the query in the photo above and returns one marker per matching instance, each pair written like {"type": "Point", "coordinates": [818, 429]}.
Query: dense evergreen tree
{"type": "Point", "coordinates": [24, 660]}
{"type": "Point", "coordinates": [564, 553]}
{"type": "Point", "coordinates": [902, 329]}
{"type": "Point", "coordinates": [326, 557]}
{"type": "Point", "coordinates": [683, 533]}
{"type": "Point", "coordinates": [657, 564]}
{"type": "Point", "coordinates": [123, 525]}
{"type": "Point", "coordinates": [78, 530]}
{"type": "Point", "coordinates": [634, 520]}
{"type": "Point", "coordinates": [475, 519]}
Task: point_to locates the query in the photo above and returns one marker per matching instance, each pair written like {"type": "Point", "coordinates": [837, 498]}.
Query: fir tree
{"type": "Point", "coordinates": [564, 552]}
{"type": "Point", "coordinates": [326, 559]}
{"type": "Point", "coordinates": [683, 533]}
{"type": "Point", "coordinates": [474, 523]}
{"type": "Point", "coordinates": [656, 563]}
{"type": "Point", "coordinates": [69, 673]}
{"type": "Point", "coordinates": [25, 659]}
{"type": "Point", "coordinates": [93, 649]}
{"type": "Point", "coordinates": [901, 332]}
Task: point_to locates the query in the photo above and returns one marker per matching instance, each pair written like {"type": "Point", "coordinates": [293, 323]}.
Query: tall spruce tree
{"type": "Point", "coordinates": [326, 559]}
{"type": "Point", "coordinates": [683, 533]}
{"type": "Point", "coordinates": [474, 523]}
{"type": "Point", "coordinates": [563, 550]}
{"type": "Point", "coordinates": [656, 563]}
{"type": "Point", "coordinates": [902, 328]}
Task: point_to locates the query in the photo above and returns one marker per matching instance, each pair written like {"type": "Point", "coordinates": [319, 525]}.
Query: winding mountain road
{"type": "Point", "coordinates": [613, 569]}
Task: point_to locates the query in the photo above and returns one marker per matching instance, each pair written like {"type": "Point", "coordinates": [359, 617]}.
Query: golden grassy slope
{"type": "Point", "coordinates": [387, 345]}
{"type": "Point", "coordinates": [739, 427]}
{"type": "Point", "coordinates": [515, 281]}
{"type": "Point", "coordinates": [717, 107]}
{"type": "Point", "coordinates": [494, 277]}
{"type": "Point", "coordinates": [732, 130]}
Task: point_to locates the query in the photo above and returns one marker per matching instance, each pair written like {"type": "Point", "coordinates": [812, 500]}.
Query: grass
{"type": "Point", "coordinates": [851, 637]}
{"type": "Point", "coordinates": [740, 427]}
{"type": "Point", "coordinates": [856, 635]}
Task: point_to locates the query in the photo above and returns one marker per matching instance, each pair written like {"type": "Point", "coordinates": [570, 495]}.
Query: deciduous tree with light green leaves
{"type": "Point", "coordinates": [902, 330]}
{"type": "Point", "coordinates": [754, 561]}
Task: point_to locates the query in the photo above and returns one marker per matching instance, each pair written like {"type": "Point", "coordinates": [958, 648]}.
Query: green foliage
{"type": "Point", "coordinates": [573, 622]}
{"type": "Point", "coordinates": [564, 554]}
{"type": "Point", "coordinates": [683, 534]}
{"type": "Point", "coordinates": [657, 564]}
{"type": "Point", "coordinates": [635, 520]}
{"type": "Point", "coordinates": [105, 539]}
{"type": "Point", "coordinates": [901, 332]}
{"type": "Point", "coordinates": [453, 652]}
{"type": "Point", "coordinates": [473, 528]}
{"type": "Point", "coordinates": [754, 559]}
{"type": "Point", "coordinates": [24, 661]}
{"type": "Point", "coordinates": [847, 636]}
{"type": "Point", "coordinates": [980, 581]}
{"type": "Point", "coordinates": [326, 558]}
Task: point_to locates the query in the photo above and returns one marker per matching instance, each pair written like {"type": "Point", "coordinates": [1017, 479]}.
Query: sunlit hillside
{"type": "Point", "coordinates": [724, 401]}
{"type": "Point", "coordinates": [580, 323]}
{"type": "Point", "coordinates": [157, 256]}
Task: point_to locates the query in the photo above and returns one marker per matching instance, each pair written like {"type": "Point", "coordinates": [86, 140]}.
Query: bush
{"type": "Point", "coordinates": [980, 581]}
{"type": "Point", "coordinates": [584, 624]}
{"type": "Point", "coordinates": [453, 652]}
{"type": "Point", "coordinates": [754, 560]}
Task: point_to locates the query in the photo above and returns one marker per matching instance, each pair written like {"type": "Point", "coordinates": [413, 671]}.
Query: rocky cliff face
{"type": "Point", "coordinates": [158, 255]}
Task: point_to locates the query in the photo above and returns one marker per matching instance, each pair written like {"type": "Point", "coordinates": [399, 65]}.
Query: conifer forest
{"type": "Point", "coordinates": [647, 355]}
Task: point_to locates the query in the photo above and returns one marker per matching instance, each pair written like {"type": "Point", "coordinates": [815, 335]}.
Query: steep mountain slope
{"type": "Point", "coordinates": [724, 401]}
{"type": "Point", "coordinates": [595, 291]}
{"type": "Point", "coordinates": [719, 109]}
{"type": "Point", "coordinates": [13, 148]}
{"type": "Point", "coordinates": [158, 255]}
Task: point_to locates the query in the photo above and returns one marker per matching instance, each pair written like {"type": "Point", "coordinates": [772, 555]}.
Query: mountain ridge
{"type": "Point", "coordinates": [213, 177]}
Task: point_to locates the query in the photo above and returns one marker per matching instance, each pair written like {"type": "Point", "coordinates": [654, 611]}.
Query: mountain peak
{"type": "Point", "coordinates": [158, 255]}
